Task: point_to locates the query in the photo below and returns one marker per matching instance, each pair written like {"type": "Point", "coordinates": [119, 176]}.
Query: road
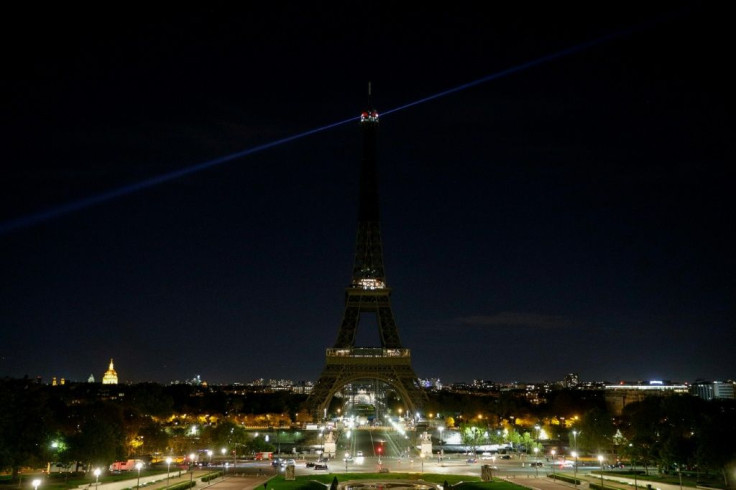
{"type": "Point", "coordinates": [389, 451]}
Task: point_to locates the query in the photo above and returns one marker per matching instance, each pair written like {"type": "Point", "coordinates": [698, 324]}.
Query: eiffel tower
{"type": "Point", "coordinates": [368, 293]}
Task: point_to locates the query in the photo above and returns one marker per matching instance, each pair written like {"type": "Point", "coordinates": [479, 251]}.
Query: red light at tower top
{"type": "Point", "coordinates": [369, 116]}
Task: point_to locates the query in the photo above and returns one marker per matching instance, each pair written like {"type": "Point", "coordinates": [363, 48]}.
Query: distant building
{"type": "Point", "coordinates": [712, 390]}
{"type": "Point", "coordinates": [111, 376]}
{"type": "Point", "coordinates": [571, 380]}
{"type": "Point", "coordinates": [623, 393]}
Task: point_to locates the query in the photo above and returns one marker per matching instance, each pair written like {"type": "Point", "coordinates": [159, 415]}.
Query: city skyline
{"type": "Point", "coordinates": [566, 216]}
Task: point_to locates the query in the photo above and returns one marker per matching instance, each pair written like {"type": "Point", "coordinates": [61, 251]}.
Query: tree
{"type": "Point", "coordinates": [155, 438]}
{"type": "Point", "coordinates": [24, 424]}
{"type": "Point", "coordinates": [100, 439]}
{"type": "Point", "coordinates": [641, 421]}
{"type": "Point", "coordinates": [471, 435]}
{"type": "Point", "coordinates": [224, 434]}
{"type": "Point", "coordinates": [596, 431]}
{"type": "Point", "coordinates": [715, 436]}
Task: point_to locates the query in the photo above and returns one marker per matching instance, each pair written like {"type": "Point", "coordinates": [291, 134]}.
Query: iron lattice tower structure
{"type": "Point", "coordinates": [368, 293]}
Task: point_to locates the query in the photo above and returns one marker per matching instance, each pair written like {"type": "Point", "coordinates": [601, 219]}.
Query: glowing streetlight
{"type": "Point", "coordinates": [191, 469]}
{"type": "Point", "coordinates": [168, 470]}
{"type": "Point", "coordinates": [36, 483]}
{"type": "Point", "coordinates": [600, 460]}
{"type": "Point", "coordinates": [575, 477]}
{"type": "Point", "coordinates": [441, 452]}
{"type": "Point", "coordinates": [138, 467]}
{"type": "Point", "coordinates": [575, 440]}
{"type": "Point", "coordinates": [97, 477]}
{"type": "Point", "coordinates": [553, 463]}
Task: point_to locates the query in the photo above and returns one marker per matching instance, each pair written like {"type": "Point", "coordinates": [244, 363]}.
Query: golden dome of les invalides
{"type": "Point", "coordinates": [111, 376]}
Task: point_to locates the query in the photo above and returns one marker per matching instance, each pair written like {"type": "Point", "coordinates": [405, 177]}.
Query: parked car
{"type": "Point", "coordinates": [310, 464]}
{"type": "Point", "coordinates": [472, 460]}
{"type": "Point", "coordinates": [320, 466]}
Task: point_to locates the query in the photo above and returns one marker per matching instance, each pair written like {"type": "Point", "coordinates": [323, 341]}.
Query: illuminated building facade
{"type": "Point", "coordinates": [712, 390]}
{"type": "Point", "coordinates": [111, 376]}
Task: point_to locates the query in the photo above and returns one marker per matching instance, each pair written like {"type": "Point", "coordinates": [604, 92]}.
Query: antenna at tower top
{"type": "Point", "coordinates": [369, 115]}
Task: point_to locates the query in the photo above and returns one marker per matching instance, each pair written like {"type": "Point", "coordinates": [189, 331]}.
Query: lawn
{"type": "Point", "coordinates": [319, 481]}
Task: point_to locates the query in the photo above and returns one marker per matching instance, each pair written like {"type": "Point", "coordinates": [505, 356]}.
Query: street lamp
{"type": "Point", "coordinates": [600, 460]}
{"type": "Point", "coordinates": [138, 467]}
{"type": "Point", "coordinates": [191, 468]}
{"type": "Point", "coordinates": [422, 456]}
{"type": "Point", "coordinates": [36, 483]}
{"type": "Point", "coordinates": [442, 445]}
{"type": "Point", "coordinates": [168, 470]}
{"type": "Point", "coordinates": [553, 463]}
{"type": "Point", "coordinates": [575, 477]}
{"type": "Point", "coordinates": [97, 477]}
{"type": "Point", "coordinates": [575, 440]}
{"type": "Point", "coordinates": [536, 462]}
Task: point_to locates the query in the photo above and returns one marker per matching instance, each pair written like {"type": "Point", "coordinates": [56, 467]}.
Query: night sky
{"type": "Point", "coordinates": [575, 215]}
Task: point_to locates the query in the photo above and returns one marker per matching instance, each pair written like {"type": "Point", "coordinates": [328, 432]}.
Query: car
{"type": "Point", "coordinates": [383, 470]}
{"type": "Point", "coordinates": [348, 459]}
{"type": "Point", "coordinates": [506, 456]}
{"type": "Point", "coordinates": [290, 462]}
{"type": "Point", "coordinates": [535, 463]}
{"type": "Point", "coordinates": [320, 466]}
{"type": "Point", "coordinates": [310, 464]}
{"type": "Point", "coordinates": [359, 454]}
{"type": "Point", "coordinates": [472, 460]}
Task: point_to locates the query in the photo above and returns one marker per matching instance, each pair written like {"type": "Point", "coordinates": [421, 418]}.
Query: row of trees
{"type": "Point", "coordinates": [92, 425]}
{"type": "Point", "coordinates": [95, 425]}
{"type": "Point", "coordinates": [670, 433]}
{"type": "Point", "coordinates": [474, 436]}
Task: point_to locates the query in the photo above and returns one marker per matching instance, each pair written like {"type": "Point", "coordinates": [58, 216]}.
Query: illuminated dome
{"type": "Point", "coordinates": [111, 376]}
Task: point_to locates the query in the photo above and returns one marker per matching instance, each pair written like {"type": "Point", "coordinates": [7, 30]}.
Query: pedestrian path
{"type": "Point", "coordinates": [612, 482]}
